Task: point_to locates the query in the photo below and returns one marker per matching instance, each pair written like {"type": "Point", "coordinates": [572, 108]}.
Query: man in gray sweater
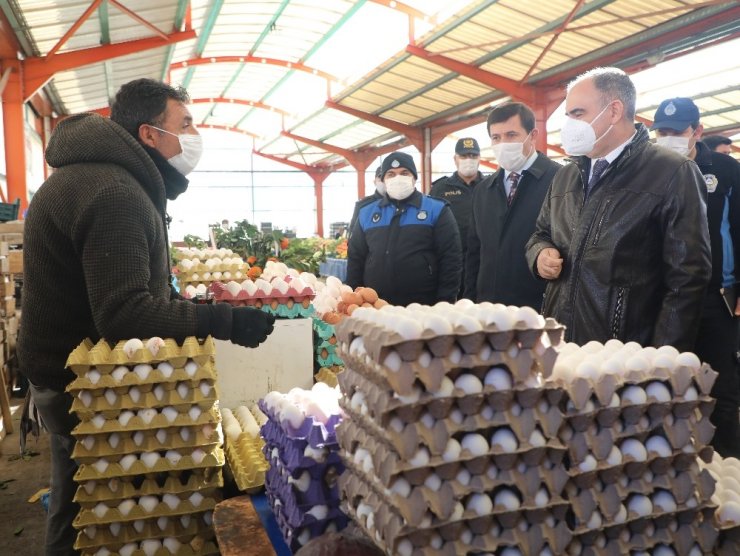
{"type": "Point", "coordinates": [96, 259]}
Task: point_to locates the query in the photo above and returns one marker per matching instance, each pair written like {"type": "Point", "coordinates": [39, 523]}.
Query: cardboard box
{"type": "Point", "coordinates": [12, 227]}
{"type": "Point", "coordinates": [7, 306]}
{"type": "Point", "coordinates": [15, 261]}
{"type": "Point", "coordinates": [7, 288]}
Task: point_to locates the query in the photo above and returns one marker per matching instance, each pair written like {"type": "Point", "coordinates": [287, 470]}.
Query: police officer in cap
{"type": "Point", "coordinates": [457, 189]}
{"type": "Point", "coordinates": [405, 245]}
{"type": "Point", "coordinates": [677, 127]}
{"type": "Point", "coordinates": [377, 194]}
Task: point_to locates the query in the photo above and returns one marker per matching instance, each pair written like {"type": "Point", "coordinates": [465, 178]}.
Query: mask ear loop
{"type": "Point", "coordinates": [596, 118]}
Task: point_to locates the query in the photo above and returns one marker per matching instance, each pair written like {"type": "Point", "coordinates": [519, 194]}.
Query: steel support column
{"type": "Point", "coordinates": [15, 139]}
{"type": "Point", "coordinates": [426, 161]}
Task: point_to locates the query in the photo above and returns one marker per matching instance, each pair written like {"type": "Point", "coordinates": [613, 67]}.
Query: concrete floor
{"type": "Point", "coordinates": [29, 476]}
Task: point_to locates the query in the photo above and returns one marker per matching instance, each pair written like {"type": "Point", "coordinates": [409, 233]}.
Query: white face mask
{"type": "Point", "coordinates": [675, 143]}
{"type": "Point", "coordinates": [578, 138]}
{"type": "Point", "coordinates": [380, 186]}
{"type": "Point", "coordinates": [510, 156]}
{"type": "Point", "coordinates": [192, 149]}
{"type": "Point", "coordinates": [467, 167]}
{"type": "Point", "coordinates": [399, 187]}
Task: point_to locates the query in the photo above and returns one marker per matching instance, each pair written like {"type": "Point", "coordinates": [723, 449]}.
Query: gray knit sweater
{"type": "Point", "coordinates": [95, 252]}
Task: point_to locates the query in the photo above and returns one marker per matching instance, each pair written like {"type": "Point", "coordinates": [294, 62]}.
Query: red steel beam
{"type": "Point", "coordinates": [498, 82]}
{"type": "Point", "coordinates": [252, 60]}
{"type": "Point", "coordinates": [347, 154]}
{"type": "Point", "coordinates": [136, 17]}
{"type": "Point", "coordinates": [229, 128]}
{"type": "Point", "coordinates": [413, 133]}
{"type": "Point", "coordinates": [37, 71]}
{"type": "Point", "coordinates": [404, 8]}
{"type": "Point", "coordinates": [242, 102]}
{"type": "Point", "coordinates": [76, 25]}
{"type": "Point", "coordinates": [297, 165]}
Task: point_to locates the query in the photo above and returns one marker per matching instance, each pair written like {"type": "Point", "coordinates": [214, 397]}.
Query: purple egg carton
{"type": "Point", "coordinates": [271, 431]}
{"type": "Point", "coordinates": [317, 434]}
{"type": "Point", "coordinates": [318, 492]}
{"type": "Point", "coordinates": [295, 459]}
{"type": "Point", "coordinates": [292, 534]}
{"type": "Point", "coordinates": [299, 515]}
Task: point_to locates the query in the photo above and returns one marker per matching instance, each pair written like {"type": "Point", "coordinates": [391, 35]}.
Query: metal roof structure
{"type": "Point", "coordinates": [300, 77]}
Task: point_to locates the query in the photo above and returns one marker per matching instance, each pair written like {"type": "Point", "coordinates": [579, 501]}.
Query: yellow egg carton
{"type": "Point", "coordinates": [91, 492]}
{"type": "Point", "coordinates": [147, 419]}
{"type": "Point", "coordinates": [151, 462]}
{"type": "Point", "coordinates": [134, 351]}
{"type": "Point", "coordinates": [90, 447]}
{"type": "Point", "coordinates": [190, 253]}
{"type": "Point", "coordinates": [143, 373]}
{"type": "Point", "coordinates": [197, 545]}
{"type": "Point", "coordinates": [110, 403]}
{"type": "Point", "coordinates": [247, 462]}
{"type": "Point", "coordinates": [117, 532]}
{"type": "Point", "coordinates": [185, 270]}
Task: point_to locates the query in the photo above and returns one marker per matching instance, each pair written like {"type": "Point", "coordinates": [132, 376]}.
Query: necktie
{"type": "Point", "coordinates": [514, 179]}
{"type": "Point", "coordinates": [600, 165]}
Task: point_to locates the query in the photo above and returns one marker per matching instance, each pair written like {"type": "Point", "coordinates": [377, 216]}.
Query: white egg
{"type": "Point", "coordinates": [148, 503]}
{"type": "Point", "coordinates": [98, 421]}
{"type": "Point", "coordinates": [172, 544]}
{"type": "Point", "coordinates": [132, 346]}
{"type": "Point", "coordinates": [182, 390]}
{"type": "Point", "coordinates": [114, 440]}
{"type": "Point", "coordinates": [469, 383]}
{"type": "Point", "coordinates": [154, 344]}
{"type": "Point", "coordinates": [664, 501]}
{"type": "Point", "coordinates": [149, 459]}
{"type": "Point", "coordinates": [588, 464]}
{"type": "Point", "coordinates": [420, 458]}
{"type": "Point", "coordinates": [85, 397]}
{"type": "Point", "coordinates": [194, 413]}
{"type": "Point", "coordinates": [161, 436]}
{"type": "Point", "coordinates": [640, 505]}
{"type": "Point", "coordinates": [162, 523]}
{"type": "Point", "coordinates": [88, 442]}
{"type": "Point", "coordinates": [729, 513]}
{"type": "Point", "coordinates": [100, 510]}
{"type": "Point", "coordinates": [634, 448]}
{"type": "Point", "coordinates": [452, 450]}
{"type": "Point", "coordinates": [658, 391]}
{"type": "Point", "coordinates": [475, 444]}
{"type": "Point", "coordinates": [480, 504]}
{"type": "Point", "coordinates": [150, 546]}
{"type": "Point", "coordinates": [634, 395]}
{"type": "Point", "coordinates": [147, 415]}
{"type": "Point", "coordinates": [688, 359]}
{"type": "Point", "coordinates": [542, 498]}
{"type": "Point", "coordinates": [126, 506]}
{"type": "Point", "coordinates": [463, 477]}
{"type": "Point", "coordinates": [537, 439]}
{"type": "Point", "coordinates": [173, 457]}
{"type": "Point", "coordinates": [101, 465]}
{"type": "Point", "coordinates": [171, 501]}
{"type": "Point", "coordinates": [659, 446]}
{"type": "Point", "coordinates": [93, 375]}
{"type": "Point", "coordinates": [691, 395]}
{"type": "Point", "coordinates": [505, 439]}
{"type": "Point", "coordinates": [507, 499]}
{"type": "Point", "coordinates": [166, 369]}
{"type": "Point", "coordinates": [139, 525]}
{"type": "Point", "coordinates": [401, 487]}
{"type": "Point", "coordinates": [170, 413]}
{"type": "Point", "coordinates": [191, 367]}
{"type": "Point", "coordinates": [142, 371]}
{"type": "Point", "coordinates": [615, 456]}
{"type": "Point", "coordinates": [127, 461]}
{"type": "Point", "coordinates": [198, 455]}
{"type": "Point", "coordinates": [119, 373]}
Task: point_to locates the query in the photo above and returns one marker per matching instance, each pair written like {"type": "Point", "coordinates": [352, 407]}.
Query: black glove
{"type": "Point", "coordinates": [250, 327]}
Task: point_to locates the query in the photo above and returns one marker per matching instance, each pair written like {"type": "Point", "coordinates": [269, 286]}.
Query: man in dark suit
{"type": "Point", "coordinates": [505, 208]}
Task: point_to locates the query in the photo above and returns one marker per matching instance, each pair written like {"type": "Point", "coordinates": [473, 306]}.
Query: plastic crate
{"type": "Point", "coordinates": [9, 211]}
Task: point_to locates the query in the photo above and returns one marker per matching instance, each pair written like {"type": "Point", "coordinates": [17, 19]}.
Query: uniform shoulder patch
{"type": "Point", "coordinates": [711, 181]}
{"type": "Point", "coordinates": [376, 217]}
{"type": "Point", "coordinates": [422, 215]}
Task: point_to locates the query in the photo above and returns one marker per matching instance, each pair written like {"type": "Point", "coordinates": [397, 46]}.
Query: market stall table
{"type": "Point", "coordinates": [334, 267]}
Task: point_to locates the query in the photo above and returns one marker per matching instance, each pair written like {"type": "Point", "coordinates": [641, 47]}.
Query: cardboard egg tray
{"type": "Point", "coordinates": [379, 340]}
{"type": "Point", "coordinates": [580, 390]}
{"type": "Point", "coordinates": [201, 267]}
{"type": "Point", "coordinates": [179, 504]}
{"type": "Point", "coordinates": [728, 542]}
{"type": "Point", "coordinates": [110, 422]}
{"type": "Point", "coordinates": [316, 433]}
{"type": "Point", "coordinates": [247, 462]}
{"type": "Point", "coordinates": [118, 399]}
{"type": "Point", "coordinates": [388, 464]}
{"type": "Point", "coordinates": [322, 486]}
{"type": "Point", "coordinates": [155, 376]}
{"type": "Point", "coordinates": [106, 358]}
{"type": "Point", "coordinates": [191, 545]}
{"type": "Point", "coordinates": [460, 535]}
{"type": "Point", "coordinates": [329, 375]}
{"type": "Point", "coordinates": [88, 472]}
{"type": "Point", "coordinates": [207, 437]}
{"type": "Point", "coordinates": [125, 532]}
{"type": "Point", "coordinates": [525, 366]}
{"type": "Point", "coordinates": [685, 533]}
{"type": "Point", "coordinates": [91, 492]}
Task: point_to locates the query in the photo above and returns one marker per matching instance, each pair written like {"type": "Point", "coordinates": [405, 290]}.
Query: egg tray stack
{"type": "Point", "coordinates": [287, 297]}
{"type": "Point", "coordinates": [148, 446]}
{"type": "Point", "coordinates": [637, 420]}
{"type": "Point", "coordinates": [301, 483]}
{"type": "Point", "coordinates": [726, 501]}
{"type": "Point", "coordinates": [244, 448]}
{"type": "Point", "coordinates": [421, 476]}
{"type": "Point", "coordinates": [194, 274]}
{"type": "Point", "coordinates": [327, 363]}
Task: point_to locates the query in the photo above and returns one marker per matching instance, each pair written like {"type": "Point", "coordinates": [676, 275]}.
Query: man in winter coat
{"type": "Point", "coordinates": [677, 126]}
{"type": "Point", "coordinates": [622, 236]}
{"type": "Point", "coordinates": [96, 259]}
{"type": "Point", "coordinates": [406, 245]}
{"type": "Point", "coordinates": [504, 209]}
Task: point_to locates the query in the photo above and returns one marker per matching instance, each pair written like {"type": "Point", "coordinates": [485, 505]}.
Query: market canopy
{"type": "Point", "coordinates": [323, 83]}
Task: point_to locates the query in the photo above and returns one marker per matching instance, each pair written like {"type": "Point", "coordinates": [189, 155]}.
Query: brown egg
{"type": "Point", "coordinates": [342, 307]}
{"type": "Point", "coordinates": [331, 318]}
{"type": "Point", "coordinates": [366, 304]}
{"type": "Point", "coordinates": [368, 294]}
{"type": "Point", "coordinates": [351, 309]}
{"type": "Point", "coordinates": [380, 303]}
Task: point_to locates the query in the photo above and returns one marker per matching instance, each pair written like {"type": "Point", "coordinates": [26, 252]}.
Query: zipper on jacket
{"type": "Point", "coordinates": [618, 309]}
{"type": "Point", "coordinates": [597, 235]}
{"type": "Point", "coordinates": [430, 269]}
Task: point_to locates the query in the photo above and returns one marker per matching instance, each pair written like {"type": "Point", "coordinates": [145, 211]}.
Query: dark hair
{"type": "Point", "coordinates": [143, 101]}
{"type": "Point", "coordinates": [507, 110]}
{"type": "Point", "coordinates": [714, 141]}
{"type": "Point", "coordinates": [379, 172]}
{"type": "Point", "coordinates": [613, 84]}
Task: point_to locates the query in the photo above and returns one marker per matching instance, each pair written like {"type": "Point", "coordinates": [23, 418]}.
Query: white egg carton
{"type": "Point", "coordinates": [89, 448]}
{"type": "Point", "coordinates": [147, 419]}
{"type": "Point", "coordinates": [147, 507]}
{"type": "Point", "coordinates": [143, 373]}
{"type": "Point", "coordinates": [191, 253]}
{"type": "Point", "coordinates": [117, 532]}
{"type": "Point", "coordinates": [466, 531]}
{"type": "Point", "coordinates": [110, 404]}
{"type": "Point", "coordinates": [188, 545]}
{"type": "Point", "coordinates": [93, 491]}
{"type": "Point", "coordinates": [150, 462]}
{"type": "Point", "coordinates": [104, 358]}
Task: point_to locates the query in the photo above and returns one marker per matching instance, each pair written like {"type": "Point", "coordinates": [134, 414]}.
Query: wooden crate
{"type": "Point", "coordinates": [7, 306]}
{"type": "Point", "coordinates": [15, 261]}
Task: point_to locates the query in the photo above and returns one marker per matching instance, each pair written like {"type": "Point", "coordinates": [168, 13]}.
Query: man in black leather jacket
{"type": "Point", "coordinates": [626, 248]}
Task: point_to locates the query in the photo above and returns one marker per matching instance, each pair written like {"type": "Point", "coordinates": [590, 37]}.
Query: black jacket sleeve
{"type": "Point", "coordinates": [472, 259]}
{"type": "Point", "coordinates": [353, 222]}
{"type": "Point", "coordinates": [734, 218]}
{"type": "Point", "coordinates": [449, 256]}
{"type": "Point", "coordinates": [542, 236]}
{"type": "Point", "coordinates": [357, 252]}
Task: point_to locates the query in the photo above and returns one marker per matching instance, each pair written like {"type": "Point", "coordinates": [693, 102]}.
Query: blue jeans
{"type": "Point", "coordinates": [53, 407]}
